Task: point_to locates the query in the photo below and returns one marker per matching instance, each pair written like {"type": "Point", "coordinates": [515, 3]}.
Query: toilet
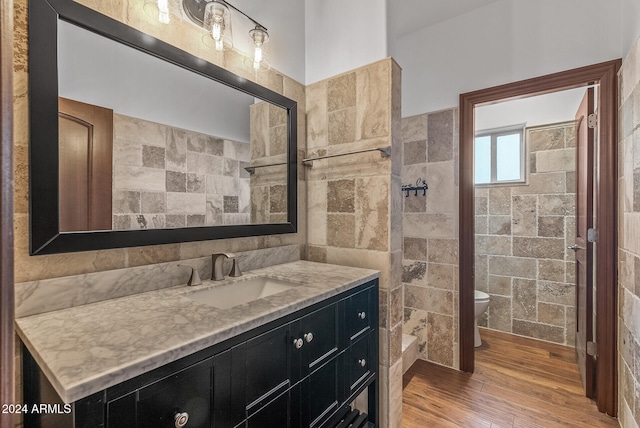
{"type": "Point", "coordinates": [481, 305]}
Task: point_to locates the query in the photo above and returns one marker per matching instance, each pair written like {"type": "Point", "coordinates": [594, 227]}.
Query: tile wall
{"type": "Point", "coordinates": [430, 251]}
{"type": "Point", "coordinates": [522, 232]}
{"type": "Point", "coordinates": [629, 241]}
{"type": "Point", "coordinates": [354, 200]}
{"type": "Point", "coordinates": [170, 177]}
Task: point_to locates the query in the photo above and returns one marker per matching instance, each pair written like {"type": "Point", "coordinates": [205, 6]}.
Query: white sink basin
{"type": "Point", "coordinates": [241, 291]}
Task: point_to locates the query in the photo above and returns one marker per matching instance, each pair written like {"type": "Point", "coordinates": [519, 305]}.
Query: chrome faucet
{"type": "Point", "coordinates": [217, 265]}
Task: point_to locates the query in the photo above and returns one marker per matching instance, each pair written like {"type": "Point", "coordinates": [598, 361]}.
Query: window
{"type": "Point", "coordinates": [499, 156]}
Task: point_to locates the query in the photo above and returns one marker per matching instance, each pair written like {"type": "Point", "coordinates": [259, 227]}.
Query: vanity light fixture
{"type": "Point", "coordinates": [260, 37]}
{"type": "Point", "coordinates": [217, 23]}
{"type": "Point", "coordinates": [214, 16]}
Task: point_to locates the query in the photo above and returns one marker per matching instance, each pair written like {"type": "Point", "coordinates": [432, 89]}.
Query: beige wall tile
{"type": "Point", "coordinates": [546, 139]}
{"type": "Point", "coordinates": [341, 230]}
{"type": "Point", "coordinates": [317, 212]}
{"type": "Point", "coordinates": [441, 195]}
{"type": "Point", "coordinates": [556, 160]}
{"type": "Point", "coordinates": [440, 337]}
{"type": "Point", "coordinates": [372, 213]}
{"type": "Point", "coordinates": [341, 92]}
{"type": "Point", "coordinates": [513, 266]}
{"type": "Point", "coordinates": [342, 126]}
{"type": "Point", "coordinates": [500, 285]}
{"type": "Point", "coordinates": [547, 182]}
{"type": "Point", "coordinates": [538, 331]}
{"type": "Point", "coordinates": [316, 109]}
{"type": "Point", "coordinates": [500, 201]}
{"type": "Point", "coordinates": [525, 218]}
{"type": "Point", "coordinates": [494, 244]}
{"type": "Point", "coordinates": [373, 88]}
{"type": "Point", "coordinates": [548, 248]}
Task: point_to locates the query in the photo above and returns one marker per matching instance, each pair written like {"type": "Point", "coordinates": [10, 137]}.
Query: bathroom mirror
{"type": "Point", "coordinates": [136, 142]}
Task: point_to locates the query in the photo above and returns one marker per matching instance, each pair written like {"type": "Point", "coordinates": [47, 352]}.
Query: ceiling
{"type": "Point", "coordinates": [408, 16]}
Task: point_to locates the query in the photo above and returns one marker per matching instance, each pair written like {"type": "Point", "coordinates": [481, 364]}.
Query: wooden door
{"type": "Point", "coordinates": [583, 248]}
{"type": "Point", "coordinates": [85, 147]}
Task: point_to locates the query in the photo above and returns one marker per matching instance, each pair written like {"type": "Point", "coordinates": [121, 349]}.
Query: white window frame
{"type": "Point", "coordinates": [494, 134]}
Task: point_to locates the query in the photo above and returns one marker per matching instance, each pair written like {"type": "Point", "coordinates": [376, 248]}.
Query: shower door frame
{"type": "Point", "coordinates": [604, 74]}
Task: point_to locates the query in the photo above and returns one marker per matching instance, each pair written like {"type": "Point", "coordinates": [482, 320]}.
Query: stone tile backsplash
{"type": "Point", "coordinates": [58, 293]}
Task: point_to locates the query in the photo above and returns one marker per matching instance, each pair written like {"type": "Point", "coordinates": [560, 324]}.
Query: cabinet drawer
{"type": "Point", "coordinates": [319, 332]}
{"type": "Point", "coordinates": [188, 391]}
{"type": "Point", "coordinates": [360, 362]}
{"type": "Point", "coordinates": [360, 314]}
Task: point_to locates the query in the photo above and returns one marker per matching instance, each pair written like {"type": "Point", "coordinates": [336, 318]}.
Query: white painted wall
{"type": "Point", "coordinates": [533, 111]}
{"type": "Point", "coordinates": [630, 24]}
{"type": "Point", "coordinates": [505, 41]}
{"type": "Point", "coordinates": [343, 35]}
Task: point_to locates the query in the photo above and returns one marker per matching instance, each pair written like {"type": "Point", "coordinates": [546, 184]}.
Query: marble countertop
{"type": "Point", "coordinates": [85, 349]}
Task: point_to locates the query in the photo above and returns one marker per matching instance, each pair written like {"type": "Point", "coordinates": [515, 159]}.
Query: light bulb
{"type": "Point", "coordinates": [257, 58]}
{"type": "Point", "coordinates": [216, 31]}
{"type": "Point", "coordinates": [163, 11]}
{"type": "Point", "coordinates": [259, 36]}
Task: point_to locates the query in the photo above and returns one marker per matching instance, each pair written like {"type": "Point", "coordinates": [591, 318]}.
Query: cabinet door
{"type": "Point", "coordinates": [283, 412]}
{"type": "Point", "coordinates": [321, 394]}
{"type": "Point", "coordinates": [320, 336]}
{"type": "Point", "coordinates": [266, 367]}
{"type": "Point", "coordinates": [188, 391]}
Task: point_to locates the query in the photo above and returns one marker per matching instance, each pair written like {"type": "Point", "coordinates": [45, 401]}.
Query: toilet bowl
{"type": "Point", "coordinates": [481, 305]}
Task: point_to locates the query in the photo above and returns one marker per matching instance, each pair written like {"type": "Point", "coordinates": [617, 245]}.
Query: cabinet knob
{"type": "Point", "coordinates": [362, 315]}
{"type": "Point", "coordinates": [181, 419]}
{"type": "Point", "coordinates": [298, 343]}
{"type": "Point", "coordinates": [362, 362]}
{"type": "Point", "coordinates": [308, 337]}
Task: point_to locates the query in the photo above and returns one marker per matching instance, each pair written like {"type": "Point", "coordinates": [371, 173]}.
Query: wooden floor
{"type": "Point", "coordinates": [518, 382]}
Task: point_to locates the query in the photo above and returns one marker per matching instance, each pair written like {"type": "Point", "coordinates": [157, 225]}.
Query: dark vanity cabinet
{"type": "Point", "coordinates": [301, 370]}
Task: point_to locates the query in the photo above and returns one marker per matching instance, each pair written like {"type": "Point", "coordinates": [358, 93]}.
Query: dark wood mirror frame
{"type": "Point", "coordinates": [45, 236]}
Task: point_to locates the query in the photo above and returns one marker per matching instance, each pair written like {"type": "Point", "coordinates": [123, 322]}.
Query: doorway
{"type": "Point", "coordinates": [604, 74]}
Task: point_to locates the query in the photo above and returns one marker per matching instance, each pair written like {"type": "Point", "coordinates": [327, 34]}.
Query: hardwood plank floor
{"type": "Point", "coordinates": [518, 382]}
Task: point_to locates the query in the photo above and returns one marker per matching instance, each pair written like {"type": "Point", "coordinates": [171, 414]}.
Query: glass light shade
{"type": "Point", "coordinates": [259, 58]}
{"type": "Point", "coordinates": [162, 10]}
{"type": "Point", "coordinates": [217, 23]}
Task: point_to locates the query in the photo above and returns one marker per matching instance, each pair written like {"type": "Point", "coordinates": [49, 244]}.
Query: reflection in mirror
{"type": "Point", "coordinates": [146, 144]}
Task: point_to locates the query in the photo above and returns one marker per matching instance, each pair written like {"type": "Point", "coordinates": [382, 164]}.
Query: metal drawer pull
{"type": "Point", "coordinates": [362, 315]}
{"type": "Point", "coordinates": [181, 419]}
{"type": "Point", "coordinates": [308, 337]}
{"type": "Point", "coordinates": [362, 362]}
{"type": "Point", "coordinates": [298, 343]}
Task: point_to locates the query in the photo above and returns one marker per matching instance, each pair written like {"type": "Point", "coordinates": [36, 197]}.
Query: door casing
{"type": "Point", "coordinates": [605, 74]}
